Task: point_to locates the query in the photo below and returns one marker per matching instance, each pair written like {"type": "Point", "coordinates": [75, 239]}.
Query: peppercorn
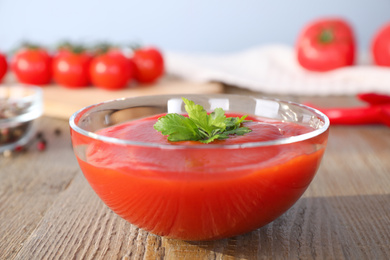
{"type": "Point", "coordinates": [57, 132]}
{"type": "Point", "coordinates": [39, 135]}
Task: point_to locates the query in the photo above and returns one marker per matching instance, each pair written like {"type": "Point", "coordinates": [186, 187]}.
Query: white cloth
{"type": "Point", "coordinates": [274, 69]}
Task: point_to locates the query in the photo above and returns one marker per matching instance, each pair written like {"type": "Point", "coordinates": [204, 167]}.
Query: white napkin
{"type": "Point", "coordinates": [274, 69]}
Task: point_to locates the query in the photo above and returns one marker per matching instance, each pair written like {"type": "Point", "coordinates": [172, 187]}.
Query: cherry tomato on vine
{"type": "Point", "coordinates": [32, 65]}
{"type": "Point", "coordinates": [71, 67]}
{"type": "Point", "coordinates": [148, 64]}
{"type": "Point", "coordinates": [326, 44]}
{"type": "Point", "coordinates": [380, 46]}
{"type": "Point", "coordinates": [110, 70]}
{"type": "Point", "coordinates": [3, 66]}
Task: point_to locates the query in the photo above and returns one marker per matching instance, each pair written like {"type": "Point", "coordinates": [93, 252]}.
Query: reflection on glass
{"type": "Point", "coordinates": [219, 102]}
{"type": "Point", "coordinates": [267, 108]}
{"type": "Point", "coordinates": [286, 113]}
{"type": "Point", "coordinates": [174, 105]}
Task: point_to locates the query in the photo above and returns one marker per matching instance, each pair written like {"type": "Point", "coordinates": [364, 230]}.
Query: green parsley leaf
{"type": "Point", "coordinates": [218, 119]}
{"type": "Point", "coordinates": [199, 125]}
{"type": "Point", "coordinates": [177, 127]}
{"type": "Point", "coordinates": [210, 139]}
{"type": "Point", "coordinates": [238, 131]}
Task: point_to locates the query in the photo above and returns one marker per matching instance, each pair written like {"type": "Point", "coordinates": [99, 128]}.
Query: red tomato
{"type": "Point", "coordinates": [326, 44]}
{"type": "Point", "coordinates": [32, 66]}
{"type": "Point", "coordinates": [110, 70]}
{"type": "Point", "coordinates": [149, 65]}
{"type": "Point", "coordinates": [380, 47]}
{"type": "Point", "coordinates": [3, 66]}
{"type": "Point", "coordinates": [71, 69]}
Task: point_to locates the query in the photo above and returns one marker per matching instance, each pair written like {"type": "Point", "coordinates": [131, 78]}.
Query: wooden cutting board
{"type": "Point", "coordinates": [61, 102]}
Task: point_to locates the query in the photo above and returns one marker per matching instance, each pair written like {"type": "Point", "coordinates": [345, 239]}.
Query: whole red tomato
{"type": "Point", "coordinates": [326, 44]}
{"type": "Point", "coordinates": [32, 65]}
{"type": "Point", "coordinates": [380, 46]}
{"type": "Point", "coordinates": [110, 70]}
{"type": "Point", "coordinates": [148, 65]}
{"type": "Point", "coordinates": [3, 66]}
{"type": "Point", "coordinates": [71, 67]}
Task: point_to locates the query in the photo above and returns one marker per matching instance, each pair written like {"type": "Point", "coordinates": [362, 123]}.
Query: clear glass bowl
{"type": "Point", "coordinates": [198, 192]}
{"type": "Point", "coordinates": [20, 105]}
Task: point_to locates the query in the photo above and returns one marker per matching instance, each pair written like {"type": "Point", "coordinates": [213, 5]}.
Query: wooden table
{"type": "Point", "coordinates": [48, 210]}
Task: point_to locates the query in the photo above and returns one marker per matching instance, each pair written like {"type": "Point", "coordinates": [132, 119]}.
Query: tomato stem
{"type": "Point", "coordinates": [135, 46]}
{"type": "Point", "coordinates": [29, 45]}
{"type": "Point", "coordinates": [74, 48]}
{"type": "Point", "coordinates": [326, 36]}
{"type": "Point", "coordinates": [102, 48]}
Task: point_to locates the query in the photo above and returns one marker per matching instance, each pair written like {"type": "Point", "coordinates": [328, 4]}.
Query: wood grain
{"type": "Point", "coordinates": [30, 183]}
{"type": "Point", "coordinates": [48, 210]}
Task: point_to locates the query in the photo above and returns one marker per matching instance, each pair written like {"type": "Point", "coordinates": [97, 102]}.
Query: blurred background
{"type": "Point", "coordinates": [191, 26]}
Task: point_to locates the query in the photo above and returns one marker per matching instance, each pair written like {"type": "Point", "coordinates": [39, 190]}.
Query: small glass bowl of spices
{"type": "Point", "coordinates": [20, 105]}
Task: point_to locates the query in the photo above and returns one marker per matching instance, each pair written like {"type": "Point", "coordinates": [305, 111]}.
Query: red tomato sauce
{"type": "Point", "coordinates": [196, 193]}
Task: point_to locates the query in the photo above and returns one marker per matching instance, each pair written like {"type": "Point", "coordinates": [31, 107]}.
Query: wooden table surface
{"type": "Point", "coordinates": [48, 210]}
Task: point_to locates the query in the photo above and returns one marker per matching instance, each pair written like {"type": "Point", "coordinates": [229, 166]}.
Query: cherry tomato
{"type": "Point", "coordinates": [326, 44]}
{"type": "Point", "coordinates": [110, 70]}
{"type": "Point", "coordinates": [71, 68]}
{"type": "Point", "coordinates": [148, 64]}
{"type": "Point", "coordinates": [380, 46]}
{"type": "Point", "coordinates": [32, 65]}
{"type": "Point", "coordinates": [3, 66]}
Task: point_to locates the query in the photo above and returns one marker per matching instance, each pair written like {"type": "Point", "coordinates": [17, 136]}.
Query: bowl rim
{"type": "Point", "coordinates": [36, 98]}
{"type": "Point", "coordinates": [287, 140]}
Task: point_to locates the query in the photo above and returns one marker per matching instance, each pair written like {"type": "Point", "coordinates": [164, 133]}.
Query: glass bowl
{"type": "Point", "coordinates": [194, 191]}
{"type": "Point", "coordinates": [20, 105]}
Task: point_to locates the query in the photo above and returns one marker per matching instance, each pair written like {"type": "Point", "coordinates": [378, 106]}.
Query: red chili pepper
{"type": "Point", "coordinates": [377, 111]}
{"type": "Point", "coordinates": [374, 98]}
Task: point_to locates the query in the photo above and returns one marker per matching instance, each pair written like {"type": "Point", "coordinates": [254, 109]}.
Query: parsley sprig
{"type": "Point", "coordinates": [199, 125]}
